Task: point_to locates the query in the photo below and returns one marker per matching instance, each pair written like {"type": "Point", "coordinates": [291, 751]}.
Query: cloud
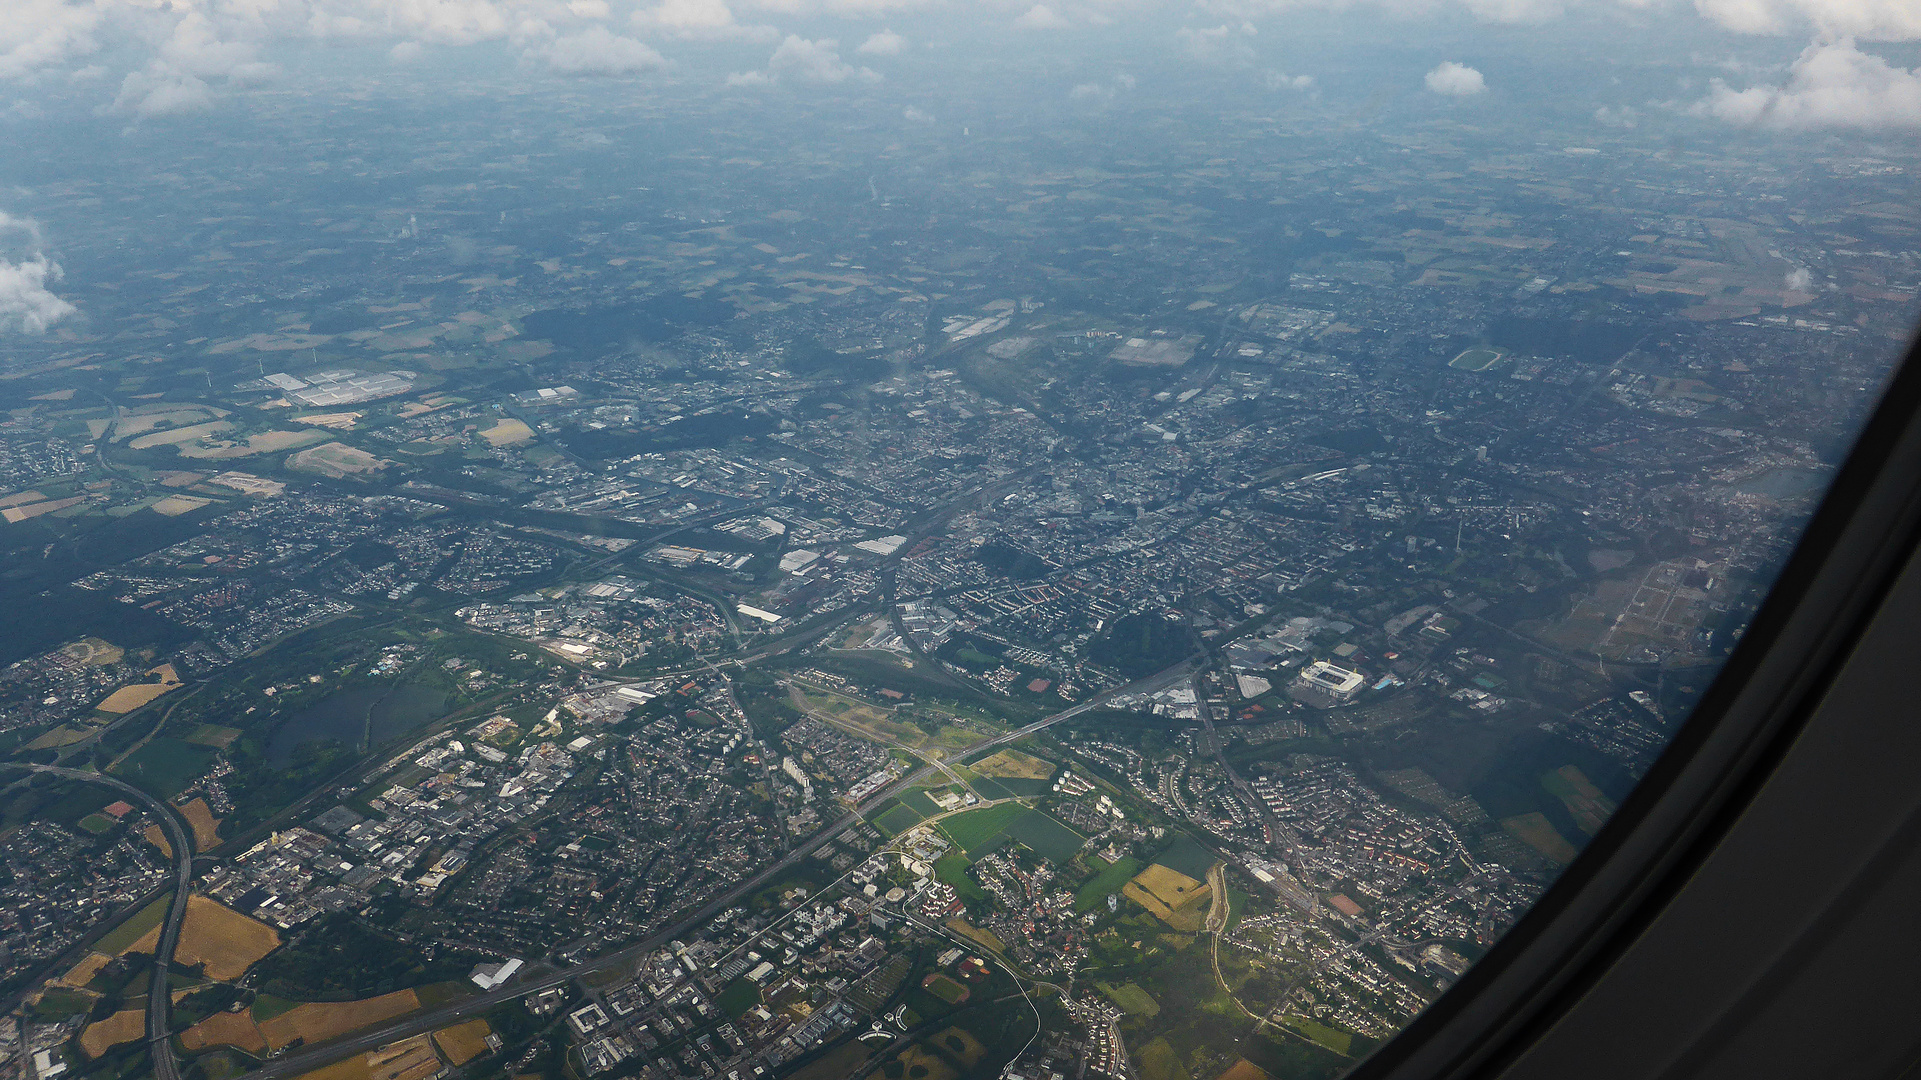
{"type": "Point", "coordinates": [916, 116]}
{"type": "Point", "coordinates": [405, 52]}
{"type": "Point", "coordinates": [1878, 20]}
{"type": "Point", "coordinates": [882, 43]}
{"type": "Point", "coordinates": [156, 92]}
{"type": "Point", "coordinates": [1623, 117]}
{"type": "Point", "coordinates": [1041, 17]}
{"type": "Point", "coordinates": [708, 19]}
{"type": "Point", "coordinates": [26, 304]}
{"type": "Point", "coordinates": [1455, 80]}
{"type": "Point", "coordinates": [1280, 80]}
{"type": "Point", "coordinates": [36, 34]}
{"type": "Point", "coordinates": [1800, 279]}
{"type": "Point", "coordinates": [597, 51]}
{"type": "Point", "coordinates": [1831, 85]}
{"type": "Point", "coordinates": [798, 60]}
{"type": "Point", "coordinates": [1217, 45]}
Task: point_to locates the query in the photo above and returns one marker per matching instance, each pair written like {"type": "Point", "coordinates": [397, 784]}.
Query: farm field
{"type": "Point", "coordinates": [974, 830]}
{"type": "Point", "coordinates": [224, 1029]}
{"type": "Point", "coordinates": [1170, 896]}
{"type": "Point", "coordinates": [164, 766]}
{"type": "Point", "coordinates": [898, 820]}
{"type": "Point", "coordinates": [1589, 808]}
{"type": "Point", "coordinates": [1109, 880]}
{"type": "Point", "coordinates": [463, 1042]}
{"type": "Point", "coordinates": [267, 442]}
{"type": "Point", "coordinates": [206, 827]}
{"type": "Point", "coordinates": [1013, 763]}
{"type": "Point", "coordinates": [128, 698]}
{"type": "Point", "coordinates": [1131, 998]}
{"type": "Point", "coordinates": [1537, 832]}
{"type": "Point", "coordinates": [226, 941]}
{"type": "Point", "coordinates": [316, 1020]}
{"type": "Point", "coordinates": [1045, 836]}
{"type": "Point", "coordinates": [1159, 1061]}
{"type": "Point", "coordinates": [123, 1026]}
{"type": "Point", "coordinates": [127, 934]}
{"type": "Point", "coordinates": [336, 460]}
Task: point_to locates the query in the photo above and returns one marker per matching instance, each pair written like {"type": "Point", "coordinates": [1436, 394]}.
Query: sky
{"type": "Point", "coordinates": [1798, 69]}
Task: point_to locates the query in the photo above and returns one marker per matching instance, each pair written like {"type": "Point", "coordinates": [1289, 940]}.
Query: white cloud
{"type": "Point", "coordinates": [1800, 279]}
{"type": "Point", "coordinates": [1455, 80]}
{"type": "Point", "coordinates": [796, 59]}
{"type": "Point", "coordinates": [405, 52]}
{"type": "Point", "coordinates": [1880, 20]}
{"type": "Point", "coordinates": [1831, 85]}
{"type": "Point", "coordinates": [882, 43]}
{"type": "Point", "coordinates": [916, 116]}
{"type": "Point", "coordinates": [1102, 92]}
{"type": "Point", "coordinates": [1280, 80]}
{"type": "Point", "coordinates": [1217, 45]}
{"type": "Point", "coordinates": [709, 19]}
{"type": "Point", "coordinates": [597, 51]}
{"type": "Point", "coordinates": [1623, 117]}
{"type": "Point", "coordinates": [26, 304]}
{"type": "Point", "coordinates": [156, 92]}
{"type": "Point", "coordinates": [1041, 17]}
{"type": "Point", "coordinates": [36, 34]}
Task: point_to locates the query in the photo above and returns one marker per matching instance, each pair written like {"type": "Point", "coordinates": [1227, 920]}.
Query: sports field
{"type": "Point", "coordinates": [1476, 359]}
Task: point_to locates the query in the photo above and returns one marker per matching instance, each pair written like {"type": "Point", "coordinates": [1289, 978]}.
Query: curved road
{"type": "Point", "coordinates": [159, 1001]}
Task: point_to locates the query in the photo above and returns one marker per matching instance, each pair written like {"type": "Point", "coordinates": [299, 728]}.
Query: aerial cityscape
{"type": "Point", "coordinates": [1089, 565]}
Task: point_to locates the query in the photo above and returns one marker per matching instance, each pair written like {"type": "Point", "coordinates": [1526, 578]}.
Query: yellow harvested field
{"type": "Point", "coordinates": [339, 421]}
{"type": "Point", "coordinates": [337, 460]}
{"type": "Point", "coordinates": [223, 939]}
{"type": "Point", "coordinates": [159, 840]}
{"type": "Point", "coordinates": [508, 432]}
{"type": "Point", "coordinates": [175, 436]}
{"type": "Point", "coordinates": [176, 505]}
{"type": "Point", "coordinates": [226, 941]}
{"type": "Point", "coordinates": [984, 938]}
{"type": "Point", "coordinates": [128, 698]}
{"type": "Point", "coordinates": [21, 497]}
{"type": "Point", "coordinates": [180, 478]}
{"type": "Point", "coordinates": [206, 827]}
{"type": "Point", "coordinates": [83, 972]}
{"type": "Point", "coordinates": [1170, 896]}
{"type": "Point", "coordinates": [235, 1029]}
{"type": "Point", "coordinates": [267, 442]}
{"type": "Point", "coordinates": [53, 395]}
{"type": "Point", "coordinates": [1014, 764]}
{"type": "Point", "coordinates": [128, 427]}
{"type": "Point", "coordinates": [123, 1026]}
{"type": "Point", "coordinates": [1537, 832]}
{"type": "Point", "coordinates": [14, 514]}
{"type": "Point", "coordinates": [93, 651]}
{"type": "Point", "coordinates": [463, 1042]}
{"type": "Point", "coordinates": [318, 1020]}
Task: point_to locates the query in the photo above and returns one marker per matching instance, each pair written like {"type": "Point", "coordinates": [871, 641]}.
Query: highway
{"type": "Point", "coordinates": [159, 1001]}
{"type": "Point", "coordinates": [306, 1059]}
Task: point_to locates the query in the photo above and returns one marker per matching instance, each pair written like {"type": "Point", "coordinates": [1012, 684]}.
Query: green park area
{"type": "Point", "coordinates": [1476, 359]}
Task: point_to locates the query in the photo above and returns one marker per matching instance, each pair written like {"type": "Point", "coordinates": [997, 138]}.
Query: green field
{"type": "Point", "coordinates": [1132, 999]}
{"type": "Point", "coordinates": [1107, 881]}
{"type": "Point", "coordinates": [96, 823]}
{"type": "Point", "coordinates": [268, 1006]}
{"type": "Point", "coordinates": [989, 788]}
{"type": "Point", "coordinates": [1046, 837]}
{"type": "Point", "coordinates": [898, 820]}
{"type": "Point", "coordinates": [1332, 1038]}
{"type": "Point", "coordinates": [165, 766]}
{"type": "Point", "coordinates": [947, 990]}
{"type": "Point", "coordinates": [1159, 1060]}
{"type": "Point", "coordinates": [975, 830]}
{"type": "Point", "coordinates": [952, 869]}
{"type": "Point", "coordinates": [1476, 359]}
{"type": "Point", "coordinates": [1186, 856]}
{"type": "Point", "coordinates": [117, 940]}
{"type": "Point", "coordinates": [739, 996]}
{"type": "Point", "coordinates": [918, 800]}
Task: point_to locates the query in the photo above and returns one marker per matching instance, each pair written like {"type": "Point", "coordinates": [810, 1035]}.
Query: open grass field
{"type": "Point", "coordinates": [1246, 1070]}
{"type": "Point", "coordinates": [128, 698]}
{"type": "Point", "coordinates": [974, 830]}
{"type": "Point", "coordinates": [336, 460]}
{"type": "Point", "coordinates": [267, 442]}
{"type": "Point", "coordinates": [1172, 897]}
{"type": "Point", "coordinates": [1537, 832]}
{"type": "Point", "coordinates": [1333, 1038]}
{"type": "Point", "coordinates": [946, 989]}
{"type": "Point", "coordinates": [96, 823]}
{"type": "Point", "coordinates": [918, 1064]}
{"type": "Point", "coordinates": [58, 735]}
{"type": "Point", "coordinates": [1158, 1060]}
{"type": "Point", "coordinates": [165, 766]}
{"type": "Point", "coordinates": [961, 1044]}
{"type": "Point", "coordinates": [139, 925]}
{"type": "Point", "coordinates": [224, 1029]}
{"type": "Point", "coordinates": [1186, 856]}
{"type": "Point", "coordinates": [984, 938]}
{"type": "Point", "coordinates": [951, 868]}
{"type": "Point", "coordinates": [1045, 836]}
{"type": "Point", "coordinates": [176, 505]}
{"type": "Point", "coordinates": [213, 735]}
{"type": "Point", "coordinates": [463, 1042]}
{"type": "Point", "coordinates": [122, 1027]}
{"type": "Point", "coordinates": [226, 941]}
{"type": "Point", "coordinates": [1584, 801]}
{"type": "Point", "coordinates": [898, 820]}
{"type": "Point", "coordinates": [839, 1063]}
{"type": "Point", "coordinates": [318, 1020]}
{"type": "Point", "coordinates": [1476, 359]}
{"type": "Point", "coordinates": [1108, 880]}
{"type": "Point", "coordinates": [738, 997]}
{"type": "Point", "coordinates": [83, 972]}
{"type": "Point", "coordinates": [1015, 764]}
{"type": "Point", "coordinates": [175, 436]}
{"type": "Point", "coordinates": [206, 827]}
{"type": "Point", "coordinates": [1132, 999]}
{"type": "Point", "coordinates": [507, 432]}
